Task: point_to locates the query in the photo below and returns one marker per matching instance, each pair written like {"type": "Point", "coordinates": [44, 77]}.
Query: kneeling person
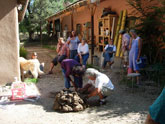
{"type": "Point", "coordinates": [102, 85]}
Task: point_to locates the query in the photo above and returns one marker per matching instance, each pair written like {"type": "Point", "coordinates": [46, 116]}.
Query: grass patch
{"type": "Point", "coordinates": [23, 52]}
{"type": "Point", "coordinates": [92, 66]}
{"type": "Point", "coordinates": [49, 47]}
{"type": "Point", "coordinates": [127, 81]}
{"type": "Point", "coordinates": [31, 80]}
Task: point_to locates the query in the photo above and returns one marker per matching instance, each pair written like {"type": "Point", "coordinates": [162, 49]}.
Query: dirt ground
{"type": "Point", "coordinates": [123, 106]}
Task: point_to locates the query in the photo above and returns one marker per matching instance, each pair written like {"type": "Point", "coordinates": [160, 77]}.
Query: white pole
{"type": "Point", "coordinates": [113, 25]}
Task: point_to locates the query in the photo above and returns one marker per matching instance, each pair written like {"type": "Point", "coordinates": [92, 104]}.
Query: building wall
{"type": "Point", "coordinates": [66, 21]}
{"type": "Point", "coordinates": [9, 41]}
{"type": "Point", "coordinates": [83, 16]}
{"type": "Point", "coordinates": [115, 5]}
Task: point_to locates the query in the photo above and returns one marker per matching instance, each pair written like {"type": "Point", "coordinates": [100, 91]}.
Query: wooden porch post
{"type": "Point", "coordinates": [92, 9]}
{"type": "Point", "coordinates": [72, 28]}
{"type": "Point", "coordinates": [53, 21]}
{"type": "Point", "coordinates": [61, 30]}
{"type": "Point", "coordinates": [48, 27]}
{"type": "Point", "coordinates": [92, 36]}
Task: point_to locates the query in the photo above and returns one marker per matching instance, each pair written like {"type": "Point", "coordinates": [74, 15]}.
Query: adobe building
{"type": "Point", "coordinates": [78, 15]}
{"type": "Point", "coordinates": [11, 13]}
{"type": "Point", "coordinates": [84, 17]}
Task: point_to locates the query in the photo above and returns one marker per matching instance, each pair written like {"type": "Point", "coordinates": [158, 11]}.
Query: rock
{"type": "Point", "coordinates": [76, 103]}
{"type": "Point", "coordinates": [76, 98]}
{"type": "Point", "coordinates": [56, 106]}
{"type": "Point", "coordinates": [81, 101]}
{"type": "Point", "coordinates": [67, 108]}
{"type": "Point", "coordinates": [78, 108]}
{"type": "Point", "coordinates": [63, 98]}
{"type": "Point", "coordinates": [68, 101]}
{"type": "Point", "coordinates": [71, 95]}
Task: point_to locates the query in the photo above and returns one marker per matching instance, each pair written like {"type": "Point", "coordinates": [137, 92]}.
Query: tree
{"type": "Point", "coordinates": [27, 25]}
{"type": "Point", "coordinates": [150, 18]}
{"type": "Point", "coordinates": [37, 12]}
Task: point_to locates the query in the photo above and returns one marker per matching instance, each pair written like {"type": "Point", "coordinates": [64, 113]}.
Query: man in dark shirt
{"type": "Point", "coordinates": [72, 67]}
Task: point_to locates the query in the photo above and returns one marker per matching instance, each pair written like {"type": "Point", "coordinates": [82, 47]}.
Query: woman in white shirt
{"type": "Point", "coordinates": [83, 52]}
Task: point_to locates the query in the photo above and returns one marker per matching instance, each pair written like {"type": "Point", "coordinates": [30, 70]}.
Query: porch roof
{"type": "Point", "coordinates": [21, 12]}
{"type": "Point", "coordinates": [69, 8]}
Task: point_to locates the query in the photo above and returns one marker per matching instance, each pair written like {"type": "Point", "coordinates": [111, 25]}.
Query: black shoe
{"type": "Point", "coordinates": [50, 72]}
{"type": "Point", "coordinates": [102, 102]}
{"type": "Point", "coordinates": [104, 97]}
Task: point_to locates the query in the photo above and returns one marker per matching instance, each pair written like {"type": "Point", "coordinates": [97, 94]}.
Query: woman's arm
{"type": "Point", "coordinates": [67, 52]}
{"type": "Point", "coordinates": [130, 43]}
{"type": "Point", "coordinates": [68, 40]}
{"type": "Point", "coordinates": [78, 49]}
{"type": "Point", "coordinates": [79, 54]}
{"type": "Point", "coordinates": [140, 48]}
{"type": "Point", "coordinates": [114, 49]}
{"type": "Point", "coordinates": [105, 48]}
{"type": "Point", "coordinates": [94, 93]}
{"type": "Point", "coordinates": [149, 120]}
{"type": "Point", "coordinates": [58, 48]}
{"type": "Point", "coordinates": [78, 41]}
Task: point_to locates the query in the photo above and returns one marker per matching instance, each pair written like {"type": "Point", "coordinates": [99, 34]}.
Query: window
{"type": "Point", "coordinates": [78, 29]}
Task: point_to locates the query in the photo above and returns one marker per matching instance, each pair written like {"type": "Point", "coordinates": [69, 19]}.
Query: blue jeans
{"type": "Point", "coordinates": [84, 58]}
{"type": "Point", "coordinates": [66, 81]}
{"type": "Point", "coordinates": [73, 53]}
{"type": "Point", "coordinates": [77, 80]}
{"type": "Point", "coordinates": [107, 58]}
{"type": "Point", "coordinates": [41, 67]}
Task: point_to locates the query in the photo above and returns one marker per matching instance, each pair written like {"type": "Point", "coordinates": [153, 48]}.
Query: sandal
{"type": "Point", "coordinates": [50, 72]}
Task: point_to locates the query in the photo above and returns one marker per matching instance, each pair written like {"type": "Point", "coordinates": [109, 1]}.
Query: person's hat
{"type": "Point", "coordinates": [121, 32]}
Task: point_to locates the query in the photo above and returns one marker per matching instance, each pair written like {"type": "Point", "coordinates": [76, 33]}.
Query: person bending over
{"type": "Point", "coordinates": [71, 67]}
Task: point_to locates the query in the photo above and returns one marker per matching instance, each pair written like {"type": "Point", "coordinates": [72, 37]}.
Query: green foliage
{"type": "Point", "coordinates": [22, 27]}
{"type": "Point", "coordinates": [31, 80]}
{"type": "Point", "coordinates": [49, 47]}
{"type": "Point", "coordinates": [37, 12]}
{"type": "Point", "coordinates": [23, 52]}
{"type": "Point", "coordinates": [150, 26]}
{"type": "Point", "coordinates": [92, 66]}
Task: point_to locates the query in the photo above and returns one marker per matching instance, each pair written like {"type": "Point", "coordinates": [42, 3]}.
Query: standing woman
{"type": "Point", "coordinates": [83, 53]}
{"type": "Point", "coordinates": [135, 47]}
{"type": "Point", "coordinates": [73, 42]}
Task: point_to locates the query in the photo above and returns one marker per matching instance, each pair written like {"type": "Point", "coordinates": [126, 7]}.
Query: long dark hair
{"type": "Point", "coordinates": [72, 35]}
